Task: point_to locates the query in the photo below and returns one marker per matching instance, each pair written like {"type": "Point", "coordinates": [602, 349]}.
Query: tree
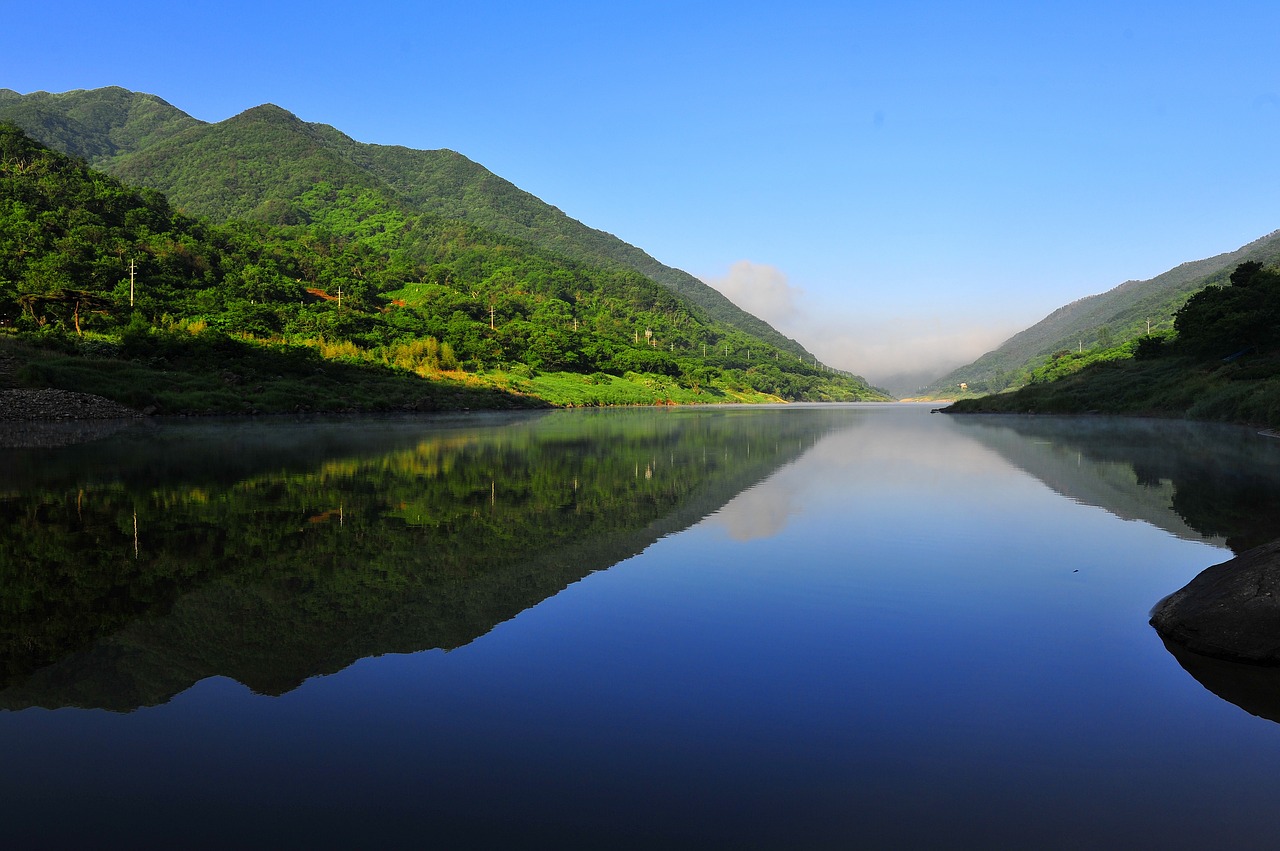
{"type": "Point", "coordinates": [65, 304]}
{"type": "Point", "coordinates": [1222, 321]}
{"type": "Point", "coordinates": [1245, 273]}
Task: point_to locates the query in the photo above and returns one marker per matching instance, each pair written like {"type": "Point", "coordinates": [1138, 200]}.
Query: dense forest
{"type": "Point", "coordinates": [257, 165]}
{"type": "Point", "coordinates": [114, 291]}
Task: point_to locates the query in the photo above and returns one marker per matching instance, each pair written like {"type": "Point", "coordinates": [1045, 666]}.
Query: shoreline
{"type": "Point", "coordinates": [50, 405]}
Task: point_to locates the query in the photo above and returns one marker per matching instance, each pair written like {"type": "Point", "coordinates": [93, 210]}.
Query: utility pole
{"type": "Point", "coordinates": [339, 296]}
{"type": "Point", "coordinates": [491, 328]}
{"type": "Point", "coordinates": [133, 270]}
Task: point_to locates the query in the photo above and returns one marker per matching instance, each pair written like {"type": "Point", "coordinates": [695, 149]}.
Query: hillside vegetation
{"type": "Point", "coordinates": [1099, 327]}
{"type": "Point", "coordinates": [261, 163]}
{"type": "Point", "coordinates": [352, 301]}
{"type": "Point", "coordinates": [1221, 361]}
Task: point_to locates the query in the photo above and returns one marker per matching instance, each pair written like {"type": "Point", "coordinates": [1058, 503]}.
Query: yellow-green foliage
{"type": "Point", "coordinates": [336, 349]}
{"type": "Point", "coordinates": [422, 356]}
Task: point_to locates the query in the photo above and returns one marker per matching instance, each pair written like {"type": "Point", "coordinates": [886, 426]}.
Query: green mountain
{"type": "Point", "coordinates": [1101, 321]}
{"type": "Point", "coordinates": [259, 163]}
{"type": "Point", "coordinates": [93, 125]}
{"type": "Point", "coordinates": [1221, 362]}
{"type": "Point", "coordinates": [354, 302]}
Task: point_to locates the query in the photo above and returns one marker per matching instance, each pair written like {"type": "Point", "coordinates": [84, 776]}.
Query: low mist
{"type": "Point", "coordinates": [898, 353]}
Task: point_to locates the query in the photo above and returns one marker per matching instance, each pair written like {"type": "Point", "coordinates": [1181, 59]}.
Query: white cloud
{"type": "Point", "coordinates": [883, 347]}
{"type": "Point", "coordinates": [762, 290]}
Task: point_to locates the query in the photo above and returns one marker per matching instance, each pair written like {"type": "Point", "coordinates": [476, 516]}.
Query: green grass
{"type": "Point", "coordinates": [576, 390]}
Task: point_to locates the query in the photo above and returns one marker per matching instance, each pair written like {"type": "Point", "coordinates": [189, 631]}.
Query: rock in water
{"type": "Point", "coordinates": [1230, 611]}
{"type": "Point", "coordinates": [1253, 688]}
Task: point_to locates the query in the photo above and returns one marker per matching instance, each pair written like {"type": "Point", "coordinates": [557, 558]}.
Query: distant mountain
{"type": "Point", "coordinates": [1117, 315]}
{"type": "Point", "coordinates": [904, 385]}
{"type": "Point", "coordinates": [259, 163]}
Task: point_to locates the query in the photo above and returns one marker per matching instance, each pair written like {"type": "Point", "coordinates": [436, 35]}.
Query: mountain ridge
{"type": "Point", "coordinates": [1120, 312]}
{"type": "Point", "coordinates": [144, 139]}
{"type": "Point", "coordinates": [396, 310]}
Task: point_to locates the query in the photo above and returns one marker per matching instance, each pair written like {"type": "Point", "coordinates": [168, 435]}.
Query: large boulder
{"type": "Point", "coordinates": [1230, 611]}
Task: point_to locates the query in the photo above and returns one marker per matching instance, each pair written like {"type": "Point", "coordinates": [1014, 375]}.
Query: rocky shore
{"type": "Point", "coordinates": [47, 418]}
{"type": "Point", "coordinates": [59, 405]}
{"type": "Point", "coordinates": [49, 405]}
{"type": "Point", "coordinates": [1230, 611]}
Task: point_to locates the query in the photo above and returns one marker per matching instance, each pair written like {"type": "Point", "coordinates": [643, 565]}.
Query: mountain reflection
{"type": "Point", "coordinates": [1194, 480]}
{"type": "Point", "coordinates": [133, 567]}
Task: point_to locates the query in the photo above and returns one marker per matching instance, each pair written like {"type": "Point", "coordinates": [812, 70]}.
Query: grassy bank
{"type": "Point", "coordinates": [216, 374]}
{"type": "Point", "coordinates": [212, 373]}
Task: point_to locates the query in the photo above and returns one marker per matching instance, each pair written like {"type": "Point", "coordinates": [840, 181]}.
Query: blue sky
{"type": "Point", "coordinates": [898, 185]}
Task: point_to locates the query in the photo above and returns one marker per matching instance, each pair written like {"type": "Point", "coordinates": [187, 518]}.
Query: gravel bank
{"type": "Point", "coordinates": [57, 405]}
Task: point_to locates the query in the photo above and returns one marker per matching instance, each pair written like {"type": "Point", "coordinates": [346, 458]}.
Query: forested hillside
{"type": "Point", "coordinates": [259, 164]}
{"type": "Point", "coordinates": [1221, 362]}
{"type": "Point", "coordinates": [1089, 328]}
{"type": "Point", "coordinates": [94, 125]}
{"type": "Point", "coordinates": [251, 315]}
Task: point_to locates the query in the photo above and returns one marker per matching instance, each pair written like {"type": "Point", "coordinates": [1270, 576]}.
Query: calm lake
{"type": "Point", "coordinates": [790, 627]}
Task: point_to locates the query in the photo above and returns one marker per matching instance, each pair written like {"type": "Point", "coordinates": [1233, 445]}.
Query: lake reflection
{"type": "Point", "coordinates": [812, 626]}
{"type": "Point", "coordinates": [271, 553]}
{"type": "Point", "coordinates": [1191, 479]}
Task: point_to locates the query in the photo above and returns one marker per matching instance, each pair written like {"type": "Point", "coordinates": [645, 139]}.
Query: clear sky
{"type": "Point", "coordinates": [898, 185]}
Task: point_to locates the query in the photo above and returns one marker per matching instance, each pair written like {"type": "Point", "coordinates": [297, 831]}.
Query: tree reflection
{"type": "Point", "coordinates": [1222, 481]}
{"type": "Point", "coordinates": [271, 553]}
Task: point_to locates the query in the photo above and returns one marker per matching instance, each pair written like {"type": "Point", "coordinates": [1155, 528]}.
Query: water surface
{"type": "Point", "coordinates": [810, 626]}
